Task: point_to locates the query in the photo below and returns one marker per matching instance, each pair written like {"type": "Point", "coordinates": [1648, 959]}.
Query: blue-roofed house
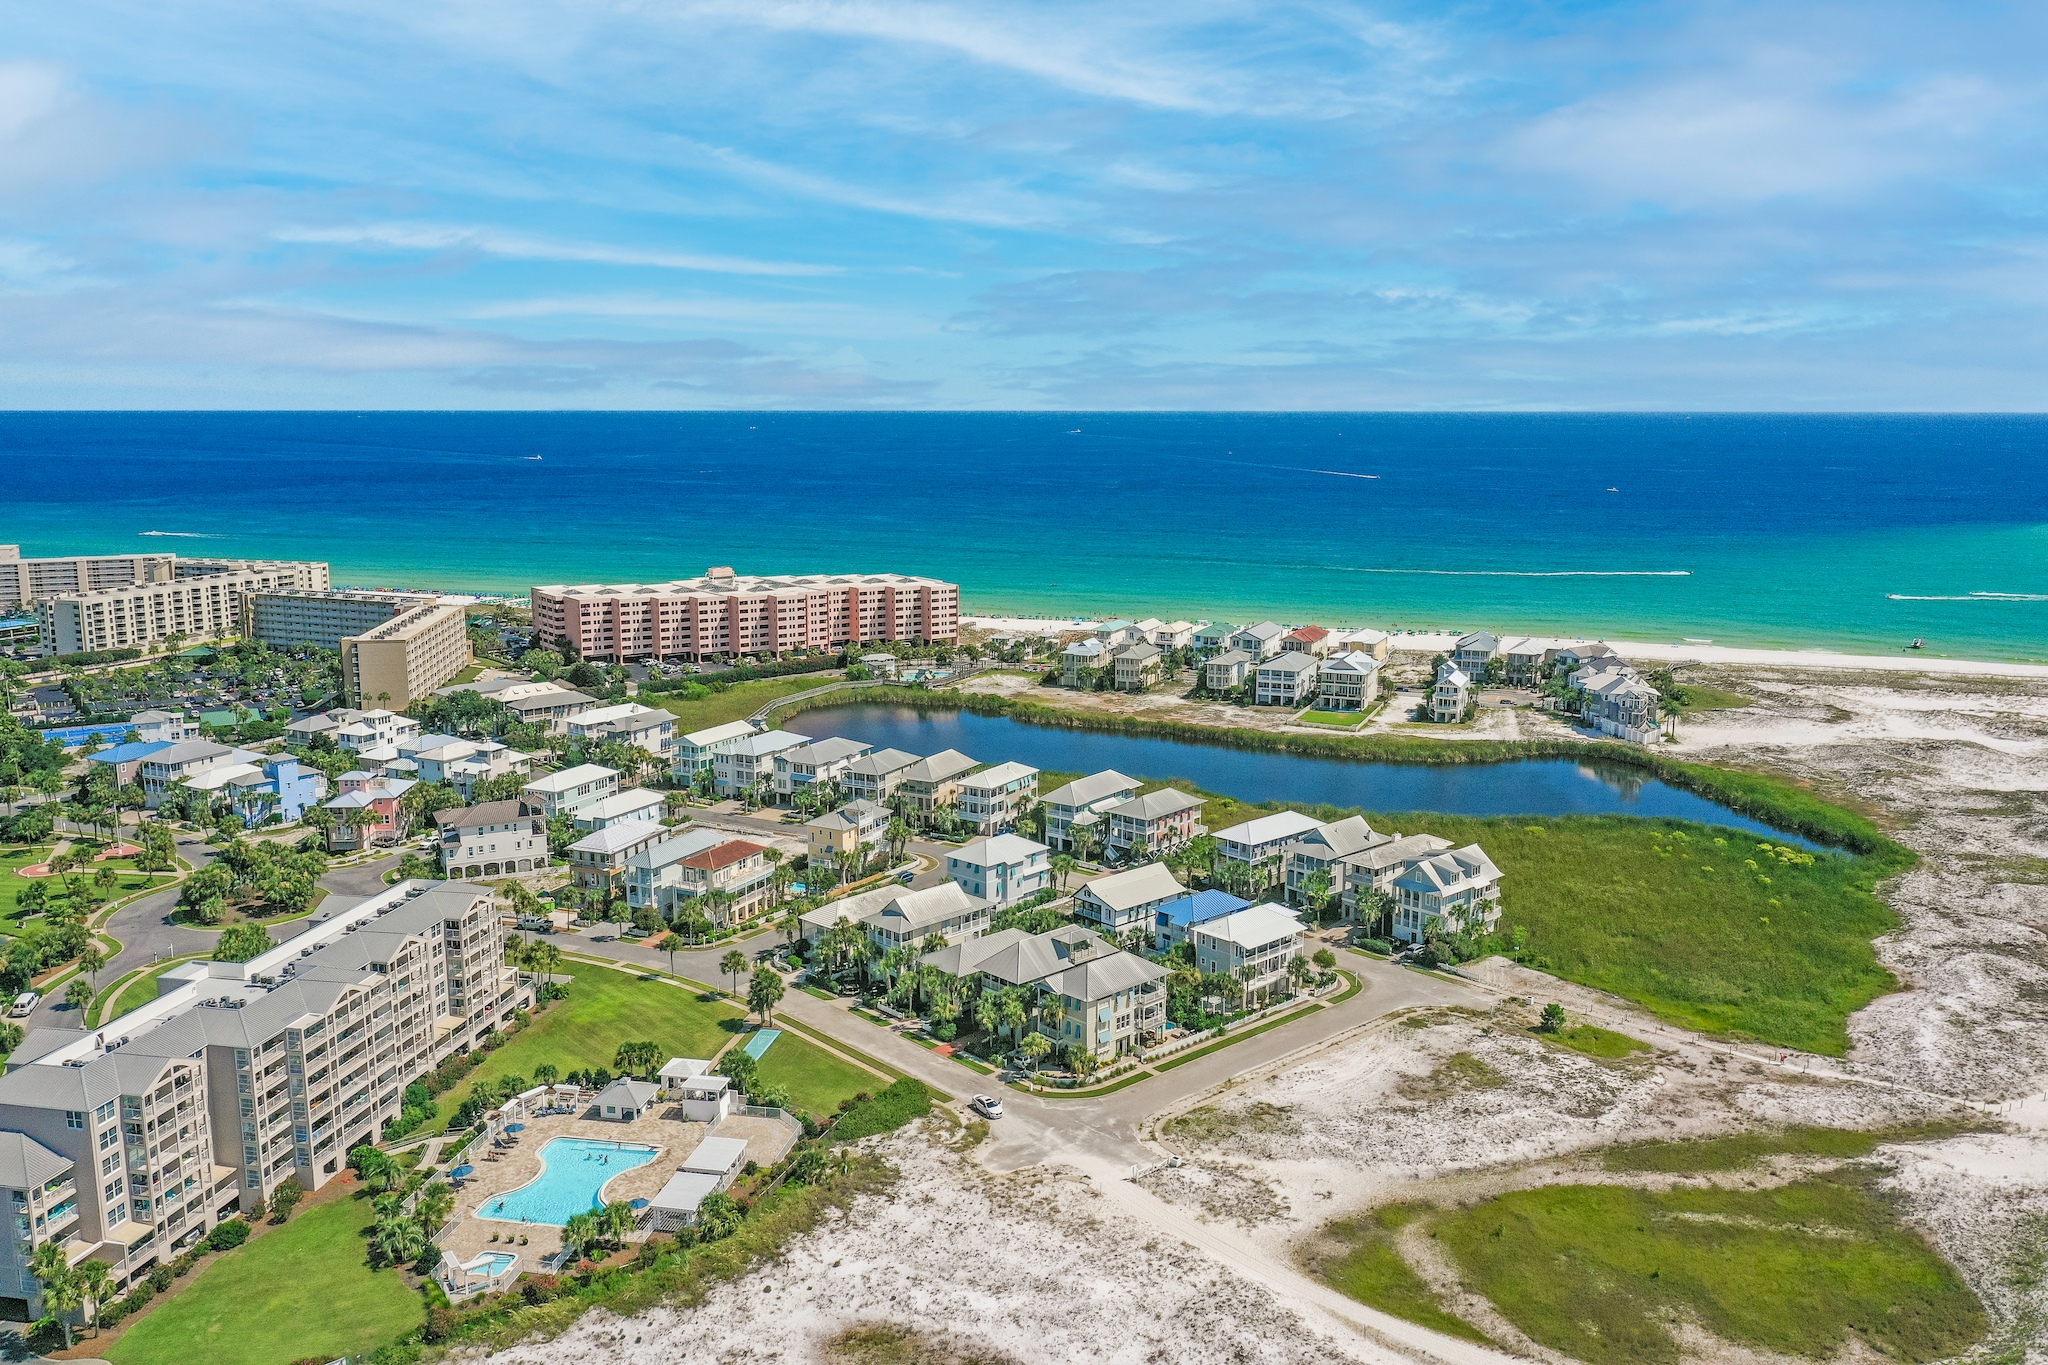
{"type": "Point", "coordinates": [126, 759]}
{"type": "Point", "coordinates": [1175, 921]}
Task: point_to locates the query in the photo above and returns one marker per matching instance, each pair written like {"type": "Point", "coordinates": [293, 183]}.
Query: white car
{"type": "Point", "coordinates": [24, 1005]}
{"type": "Point", "coordinates": [989, 1106]}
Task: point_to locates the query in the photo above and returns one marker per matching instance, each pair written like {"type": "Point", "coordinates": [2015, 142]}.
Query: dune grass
{"type": "Point", "coordinates": [1674, 916]}
{"type": "Point", "coordinates": [1594, 1041]}
{"type": "Point", "coordinates": [302, 1290]}
{"type": "Point", "coordinates": [605, 1008]}
{"type": "Point", "coordinates": [1737, 1151]}
{"type": "Point", "coordinates": [1599, 1271]}
{"type": "Point", "coordinates": [1372, 1270]}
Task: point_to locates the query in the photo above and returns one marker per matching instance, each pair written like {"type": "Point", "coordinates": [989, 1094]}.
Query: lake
{"type": "Point", "coordinates": [1525, 787]}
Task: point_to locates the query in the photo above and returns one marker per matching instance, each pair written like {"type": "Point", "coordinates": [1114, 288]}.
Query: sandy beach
{"type": "Point", "coordinates": [1638, 650]}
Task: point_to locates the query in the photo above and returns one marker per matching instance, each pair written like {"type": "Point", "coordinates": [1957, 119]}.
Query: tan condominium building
{"type": "Point", "coordinates": [321, 618]}
{"type": "Point", "coordinates": [406, 658]}
{"type": "Point", "coordinates": [128, 1142]}
{"type": "Point", "coordinates": [34, 580]}
{"type": "Point", "coordinates": [724, 613]}
{"type": "Point", "coordinates": [203, 601]}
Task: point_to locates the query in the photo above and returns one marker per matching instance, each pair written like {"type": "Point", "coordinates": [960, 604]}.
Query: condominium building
{"type": "Point", "coordinates": [725, 614]}
{"type": "Point", "coordinates": [203, 601]}
{"type": "Point", "coordinates": [322, 618]}
{"type": "Point", "coordinates": [131, 1141]}
{"type": "Point", "coordinates": [407, 657]}
{"type": "Point", "coordinates": [36, 580]}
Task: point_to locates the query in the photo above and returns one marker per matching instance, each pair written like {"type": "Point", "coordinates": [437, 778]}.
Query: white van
{"type": "Point", "coordinates": [24, 1005]}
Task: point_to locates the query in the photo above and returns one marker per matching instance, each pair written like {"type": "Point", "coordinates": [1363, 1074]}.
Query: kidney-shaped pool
{"type": "Point", "coordinates": [573, 1174]}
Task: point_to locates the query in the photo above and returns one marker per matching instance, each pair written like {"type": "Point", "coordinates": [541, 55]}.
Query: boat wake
{"type": "Point", "coordinates": [1534, 573]}
{"type": "Point", "coordinates": [186, 535]}
{"type": "Point", "coordinates": [1974, 597]}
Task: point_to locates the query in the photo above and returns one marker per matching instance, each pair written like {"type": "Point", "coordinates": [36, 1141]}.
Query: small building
{"type": "Point", "coordinates": [1314, 641]}
{"type": "Point", "coordinates": [1348, 682]}
{"type": "Point", "coordinates": [643, 727]}
{"type": "Point", "coordinates": [1124, 901]}
{"type": "Point", "coordinates": [994, 799]}
{"type": "Point", "coordinates": [626, 1099]}
{"type": "Point", "coordinates": [1212, 639]}
{"type": "Point", "coordinates": [1153, 824]}
{"type": "Point", "coordinates": [1254, 945]}
{"type": "Point", "coordinates": [1228, 671]}
{"type": "Point", "coordinates": [1090, 795]}
{"type": "Point", "coordinates": [935, 781]}
{"type": "Point", "coordinates": [1456, 890]}
{"type": "Point", "coordinates": [1174, 921]}
{"type": "Point", "coordinates": [1376, 643]}
{"type": "Point", "coordinates": [1286, 680]}
{"type": "Point", "coordinates": [876, 776]}
{"type": "Point", "coordinates": [1451, 697]}
{"type": "Point", "coordinates": [1174, 634]}
{"type": "Point", "coordinates": [124, 761]}
{"type": "Point", "coordinates": [701, 1098]}
{"type": "Point", "coordinates": [163, 727]}
{"type": "Point", "coordinates": [1079, 659]}
{"type": "Point", "coordinates": [1002, 870]}
{"type": "Point", "coordinates": [892, 916]}
{"type": "Point", "coordinates": [571, 789]}
{"type": "Point", "coordinates": [1523, 658]}
{"type": "Point", "coordinates": [1114, 633]}
{"type": "Point", "coordinates": [858, 824]}
{"type": "Point", "coordinates": [493, 839]}
{"type": "Point", "coordinates": [710, 1168]}
{"type": "Point", "coordinates": [1139, 666]}
{"type": "Point", "coordinates": [376, 729]}
{"type": "Point", "coordinates": [879, 665]}
{"type": "Point", "coordinates": [1261, 844]}
{"type": "Point", "coordinates": [375, 793]}
{"type": "Point", "coordinates": [1261, 641]}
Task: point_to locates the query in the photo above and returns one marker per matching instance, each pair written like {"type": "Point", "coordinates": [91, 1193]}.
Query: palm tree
{"type": "Point", "coordinates": [396, 1241]}
{"type": "Point", "coordinates": [437, 1201]}
{"type": "Point", "coordinates": [1315, 889]}
{"type": "Point", "coordinates": [732, 964]}
{"type": "Point", "coordinates": [60, 1284]}
{"type": "Point", "coordinates": [1063, 867]}
{"type": "Point", "coordinates": [582, 1230]}
{"type": "Point", "coordinates": [897, 833]}
{"type": "Point", "coordinates": [1035, 1049]}
{"type": "Point", "coordinates": [359, 820]}
{"type": "Point", "coordinates": [1013, 1013]}
{"type": "Point", "coordinates": [95, 1287]}
{"type": "Point", "coordinates": [763, 992]}
{"type": "Point", "coordinates": [379, 1171]}
{"type": "Point", "coordinates": [988, 1012]}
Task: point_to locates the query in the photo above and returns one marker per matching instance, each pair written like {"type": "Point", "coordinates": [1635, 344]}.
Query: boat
{"type": "Point", "coordinates": [1918, 643]}
{"type": "Point", "coordinates": [533, 457]}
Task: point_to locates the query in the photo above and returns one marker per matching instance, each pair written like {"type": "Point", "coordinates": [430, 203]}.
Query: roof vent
{"type": "Point", "coordinates": [719, 571]}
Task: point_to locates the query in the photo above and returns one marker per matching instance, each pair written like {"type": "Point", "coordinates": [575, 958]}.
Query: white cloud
{"type": "Point", "coordinates": [518, 246]}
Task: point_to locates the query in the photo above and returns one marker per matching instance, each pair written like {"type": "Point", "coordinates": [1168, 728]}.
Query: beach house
{"type": "Point", "coordinates": [572, 789]}
{"type": "Point", "coordinates": [1153, 824]}
{"type": "Point", "coordinates": [935, 781]}
{"type": "Point", "coordinates": [748, 763]}
{"type": "Point", "coordinates": [816, 764]}
{"type": "Point", "coordinates": [1286, 680]}
{"type": "Point", "coordinates": [492, 839]}
{"type": "Point", "coordinates": [1255, 946]}
{"type": "Point", "coordinates": [994, 799]}
{"type": "Point", "coordinates": [1261, 641]}
{"type": "Point", "coordinates": [876, 776]}
{"type": "Point", "coordinates": [1084, 799]}
{"type": "Point", "coordinates": [1212, 639]}
{"type": "Point", "coordinates": [1002, 870]}
{"type": "Point", "coordinates": [1080, 660]}
{"type": "Point", "coordinates": [1226, 672]}
{"type": "Point", "coordinates": [1139, 666]}
{"type": "Point", "coordinates": [1455, 890]}
{"type": "Point", "coordinates": [1348, 682]}
{"type": "Point", "coordinates": [1124, 901]}
{"type": "Point", "coordinates": [1451, 697]}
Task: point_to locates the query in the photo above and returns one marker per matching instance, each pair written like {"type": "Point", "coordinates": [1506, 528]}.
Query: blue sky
{"type": "Point", "coordinates": [838, 204]}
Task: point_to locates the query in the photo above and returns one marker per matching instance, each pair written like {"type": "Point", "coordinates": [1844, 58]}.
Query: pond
{"type": "Point", "coordinates": [1523, 787]}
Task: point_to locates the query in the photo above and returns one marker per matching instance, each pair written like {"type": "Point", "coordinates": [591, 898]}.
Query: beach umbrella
{"type": "Point", "coordinates": [515, 1127]}
{"type": "Point", "coordinates": [639, 1203]}
{"type": "Point", "coordinates": [463, 1172]}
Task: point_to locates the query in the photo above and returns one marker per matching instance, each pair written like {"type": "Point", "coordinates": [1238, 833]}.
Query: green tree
{"type": "Point", "coordinates": [79, 995]}
{"type": "Point", "coordinates": [397, 1241]}
{"type": "Point", "coordinates": [731, 965]}
{"type": "Point", "coordinates": [1552, 1020]}
{"type": "Point", "coordinates": [637, 1059]}
{"type": "Point", "coordinates": [62, 1292]}
{"type": "Point", "coordinates": [1063, 866]}
{"type": "Point", "coordinates": [1035, 1049]}
{"type": "Point", "coordinates": [241, 942]}
{"type": "Point", "coordinates": [764, 991]}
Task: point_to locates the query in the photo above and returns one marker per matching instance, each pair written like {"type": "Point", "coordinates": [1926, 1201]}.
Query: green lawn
{"type": "Point", "coordinates": [1700, 697]}
{"type": "Point", "coordinates": [1599, 1271]}
{"type": "Point", "coordinates": [1598, 1042]}
{"type": "Point", "coordinates": [12, 884]}
{"type": "Point", "coordinates": [1689, 1156]}
{"type": "Point", "coordinates": [735, 703]}
{"type": "Point", "coordinates": [1671, 916]}
{"type": "Point", "coordinates": [301, 1290]}
{"type": "Point", "coordinates": [815, 1079]}
{"type": "Point", "coordinates": [1372, 1271]}
{"type": "Point", "coordinates": [606, 1008]}
{"type": "Point", "coordinates": [1342, 719]}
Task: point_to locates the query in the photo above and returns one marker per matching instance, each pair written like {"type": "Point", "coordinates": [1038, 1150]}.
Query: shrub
{"type": "Point", "coordinates": [1377, 945]}
{"type": "Point", "coordinates": [1324, 958]}
{"type": "Point", "coordinates": [538, 1289]}
{"type": "Point", "coordinates": [229, 1235]}
{"type": "Point", "coordinates": [160, 1278]}
{"type": "Point", "coordinates": [897, 1105]}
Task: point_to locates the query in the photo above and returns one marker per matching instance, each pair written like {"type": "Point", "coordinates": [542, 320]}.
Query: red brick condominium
{"type": "Point", "coordinates": [726, 614]}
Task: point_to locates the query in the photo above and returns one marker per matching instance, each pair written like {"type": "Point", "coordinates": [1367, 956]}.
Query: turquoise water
{"type": "Point", "coordinates": [1857, 532]}
{"type": "Point", "coordinates": [761, 1042]}
{"type": "Point", "coordinates": [572, 1180]}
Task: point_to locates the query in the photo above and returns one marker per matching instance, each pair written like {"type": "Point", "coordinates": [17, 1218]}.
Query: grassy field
{"type": "Point", "coordinates": [1739, 1150]}
{"type": "Point", "coordinates": [735, 703]}
{"type": "Point", "coordinates": [1598, 1042]}
{"type": "Point", "coordinates": [1373, 1272]}
{"type": "Point", "coordinates": [1597, 1271]}
{"type": "Point", "coordinates": [815, 1079]}
{"type": "Point", "coordinates": [1343, 720]}
{"type": "Point", "coordinates": [1674, 917]}
{"type": "Point", "coordinates": [606, 1008]}
{"type": "Point", "coordinates": [301, 1290]}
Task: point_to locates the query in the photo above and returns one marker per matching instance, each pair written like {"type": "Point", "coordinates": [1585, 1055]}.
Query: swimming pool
{"type": "Point", "coordinates": [573, 1175]}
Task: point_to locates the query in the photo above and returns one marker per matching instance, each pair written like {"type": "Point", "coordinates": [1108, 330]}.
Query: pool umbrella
{"type": "Point", "coordinates": [515, 1127]}
{"type": "Point", "coordinates": [463, 1172]}
{"type": "Point", "coordinates": [639, 1203]}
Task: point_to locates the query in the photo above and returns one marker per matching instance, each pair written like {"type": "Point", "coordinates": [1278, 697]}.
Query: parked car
{"type": "Point", "coordinates": [24, 1005]}
{"type": "Point", "coordinates": [988, 1106]}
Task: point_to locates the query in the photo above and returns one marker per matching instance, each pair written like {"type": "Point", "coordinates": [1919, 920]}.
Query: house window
{"type": "Point", "coordinates": [74, 1118]}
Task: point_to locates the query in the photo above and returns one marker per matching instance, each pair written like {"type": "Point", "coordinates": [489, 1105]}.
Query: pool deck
{"type": "Point", "coordinates": [520, 1162]}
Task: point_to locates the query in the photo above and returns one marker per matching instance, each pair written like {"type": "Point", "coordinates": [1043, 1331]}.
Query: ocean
{"type": "Point", "coordinates": [1847, 532]}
